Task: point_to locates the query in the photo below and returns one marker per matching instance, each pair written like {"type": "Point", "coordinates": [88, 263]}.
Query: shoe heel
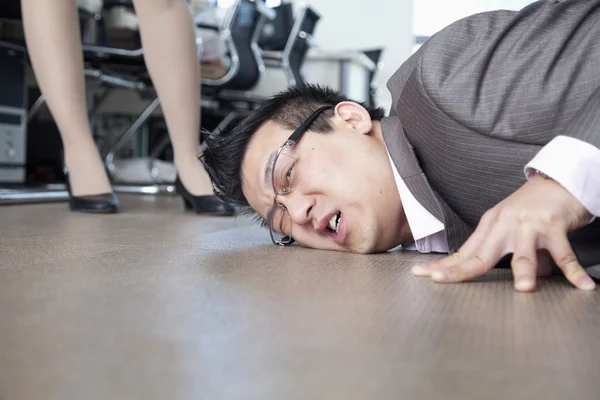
{"type": "Point", "coordinates": [208, 205]}
{"type": "Point", "coordinates": [106, 203]}
{"type": "Point", "coordinates": [187, 204]}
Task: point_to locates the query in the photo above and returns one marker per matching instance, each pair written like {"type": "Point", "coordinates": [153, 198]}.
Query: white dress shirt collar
{"type": "Point", "coordinates": [428, 232]}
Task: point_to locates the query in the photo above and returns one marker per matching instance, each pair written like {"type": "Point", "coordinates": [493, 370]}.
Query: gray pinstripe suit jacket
{"type": "Point", "coordinates": [480, 98]}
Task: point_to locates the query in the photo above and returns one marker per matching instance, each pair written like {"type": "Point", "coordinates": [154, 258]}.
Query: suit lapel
{"type": "Point", "coordinates": [408, 167]}
{"type": "Point", "coordinates": [405, 160]}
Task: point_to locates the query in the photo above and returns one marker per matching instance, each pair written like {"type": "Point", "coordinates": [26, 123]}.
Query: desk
{"type": "Point", "coordinates": [346, 71]}
{"type": "Point", "coordinates": [353, 66]}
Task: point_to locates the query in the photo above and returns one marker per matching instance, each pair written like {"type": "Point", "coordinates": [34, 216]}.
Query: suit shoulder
{"type": "Point", "coordinates": [450, 42]}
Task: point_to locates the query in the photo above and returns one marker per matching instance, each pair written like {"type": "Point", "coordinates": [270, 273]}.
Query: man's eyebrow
{"type": "Point", "coordinates": [269, 168]}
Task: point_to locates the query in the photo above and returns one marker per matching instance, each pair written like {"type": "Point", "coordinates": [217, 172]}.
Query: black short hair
{"type": "Point", "coordinates": [224, 153]}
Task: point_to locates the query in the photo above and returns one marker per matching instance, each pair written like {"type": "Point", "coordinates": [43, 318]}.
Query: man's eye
{"type": "Point", "coordinates": [288, 175]}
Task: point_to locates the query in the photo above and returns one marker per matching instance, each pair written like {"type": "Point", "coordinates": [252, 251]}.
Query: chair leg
{"type": "Point", "coordinates": [225, 122]}
{"type": "Point", "coordinates": [164, 142]}
{"type": "Point", "coordinates": [35, 108]}
{"type": "Point", "coordinates": [229, 118]}
{"type": "Point", "coordinates": [125, 136]}
{"type": "Point", "coordinates": [37, 105]}
{"type": "Point", "coordinates": [98, 101]}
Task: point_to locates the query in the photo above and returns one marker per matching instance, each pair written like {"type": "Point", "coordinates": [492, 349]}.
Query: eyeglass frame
{"type": "Point", "coordinates": [293, 139]}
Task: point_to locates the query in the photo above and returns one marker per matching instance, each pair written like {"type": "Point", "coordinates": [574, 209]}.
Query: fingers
{"type": "Point", "coordinates": [565, 258]}
{"type": "Point", "coordinates": [524, 260]}
{"type": "Point", "coordinates": [544, 263]}
{"type": "Point", "coordinates": [471, 268]}
{"type": "Point", "coordinates": [495, 238]}
{"type": "Point", "coordinates": [483, 260]}
{"type": "Point", "coordinates": [467, 249]}
{"type": "Point", "coordinates": [427, 269]}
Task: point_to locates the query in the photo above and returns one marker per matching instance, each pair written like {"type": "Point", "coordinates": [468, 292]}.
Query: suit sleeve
{"type": "Point", "coordinates": [573, 159]}
{"type": "Point", "coordinates": [574, 164]}
{"type": "Point", "coordinates": [586, 123]}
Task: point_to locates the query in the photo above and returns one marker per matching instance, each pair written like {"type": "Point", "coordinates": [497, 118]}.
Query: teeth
{"type": "Point", "coordinates": [334, 221]}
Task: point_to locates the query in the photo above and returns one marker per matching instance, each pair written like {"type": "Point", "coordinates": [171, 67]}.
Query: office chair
{"type": "Point", "coordinates": [299, 41]}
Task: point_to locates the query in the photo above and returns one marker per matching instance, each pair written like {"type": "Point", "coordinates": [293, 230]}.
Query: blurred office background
{"type": "Point", "coordinates": [249, 49]}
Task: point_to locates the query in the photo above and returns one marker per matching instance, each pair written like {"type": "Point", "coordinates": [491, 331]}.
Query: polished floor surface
{"type": "Point", "coordinates": [155, 303]}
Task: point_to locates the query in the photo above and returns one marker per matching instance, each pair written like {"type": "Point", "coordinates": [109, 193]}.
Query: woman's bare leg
{"type": "Point", "coordinates": [54, 45]}
{"type": "Point", "coordinates": [170, 53]}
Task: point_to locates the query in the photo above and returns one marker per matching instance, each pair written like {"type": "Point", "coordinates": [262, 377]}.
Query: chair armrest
{"type": "Point", "coordinates": [310, 39]}
{"type": "Point", "coordinates": [112, 51]}
{"type": "Point", "coordinates": [116, 3]}
{"type": "Point", "coordinates": [208, 26]}
{"type": "Point", "coordinates": [262, 8]}
{"type": "Point", "coordinates": [14, 45]}
{"type": "Point", "coordinates": [271, 55]}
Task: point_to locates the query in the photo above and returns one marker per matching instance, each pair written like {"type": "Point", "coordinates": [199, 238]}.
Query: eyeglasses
{"type": "Point", "coordinates": [284, 177]}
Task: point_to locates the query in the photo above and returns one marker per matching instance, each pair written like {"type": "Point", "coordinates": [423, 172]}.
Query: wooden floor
{"type": "Point", "coordinates": [155, 303]}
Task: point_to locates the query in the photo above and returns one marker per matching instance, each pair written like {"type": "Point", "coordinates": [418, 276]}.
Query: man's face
{"type": "Point", "coordinates": [345, 173]}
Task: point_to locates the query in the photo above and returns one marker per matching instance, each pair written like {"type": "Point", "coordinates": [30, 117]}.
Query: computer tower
{"type": "Point", "coordinates": [13, 114]}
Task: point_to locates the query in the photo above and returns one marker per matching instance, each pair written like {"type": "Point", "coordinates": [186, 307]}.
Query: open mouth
{"type": "Point", "coordinates": [334, 222]}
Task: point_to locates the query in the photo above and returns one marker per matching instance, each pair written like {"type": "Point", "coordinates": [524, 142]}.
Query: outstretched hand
{"type": "Point", "coordinates": [531, 223]}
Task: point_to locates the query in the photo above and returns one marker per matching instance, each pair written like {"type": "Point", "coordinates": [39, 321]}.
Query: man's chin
{"type": "Point", "coordinates": [321, 246]}
{"type": "Point", "coordinates": [363, 247]}
{"type": "Point", "coordinates": [367, 248]}
{"type": "Point", "coordinates": [381, 246]}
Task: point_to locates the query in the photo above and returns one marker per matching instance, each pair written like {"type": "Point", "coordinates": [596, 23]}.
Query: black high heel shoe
{"type": "Point", "coordinates": [209, 205]}
{"type": "Point", "coordinates": [105, 203]}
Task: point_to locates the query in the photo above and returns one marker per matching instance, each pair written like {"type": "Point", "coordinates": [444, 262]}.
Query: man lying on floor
{"type": "Point", "coordinates": [493, 149]}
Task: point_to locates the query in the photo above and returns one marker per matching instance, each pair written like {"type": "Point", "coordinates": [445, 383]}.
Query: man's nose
{"type": "Point", "coordinates": [299, 207]}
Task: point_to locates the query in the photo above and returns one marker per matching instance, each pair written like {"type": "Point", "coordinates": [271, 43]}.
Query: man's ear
{"type": "Point", "coordinates": [355, 115]}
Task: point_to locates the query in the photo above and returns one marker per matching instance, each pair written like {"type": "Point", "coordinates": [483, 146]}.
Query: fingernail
{"type": "Point", "coordinates": [525, 285]}
{"type": "Point", "coordinates": [586, 283]}
{"type": "Point", "coordinates": [421, 270]}
{"type": "Point", "coordinates": [440, 275]}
